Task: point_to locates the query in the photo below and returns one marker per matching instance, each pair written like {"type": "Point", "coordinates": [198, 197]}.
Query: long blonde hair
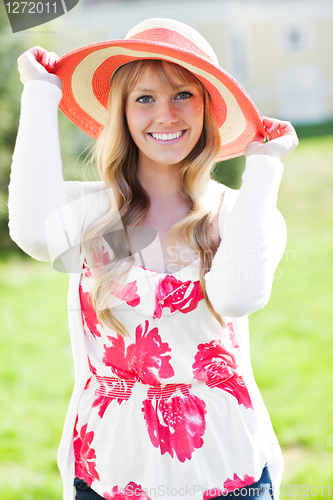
{"type": "Point", "coordinates": [116, 156]}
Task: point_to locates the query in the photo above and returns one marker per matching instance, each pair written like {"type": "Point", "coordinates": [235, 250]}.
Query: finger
{"type": "Point", "coordinates": [49, 62]}
{"type": "Point", "coordinates": [288, 129]}
{"type": "Point", "coordinates": [45, 59]}
{"type": "Point", "coordinates": [276, 126]}
{"type": "Point", "coordinates": [285, 131]}
{"type": "Point", "coordinates": [258, 138]}
{"type": "Point", "coordinates": [272, 124]}
{"type": "Point", "coordinates": [53, 59]}
{"type": "Point", "coordinates": [269, 126]}
{"type": "Point", "coordinates": [274, 133]}
{"type": "Point", "coordinates": [37, 52]}
{"type": "Point", "coordinates": [267, 122]}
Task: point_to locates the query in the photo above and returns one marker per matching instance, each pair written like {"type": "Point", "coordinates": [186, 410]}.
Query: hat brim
{"type": "Point", "coordinates": [86, 74]}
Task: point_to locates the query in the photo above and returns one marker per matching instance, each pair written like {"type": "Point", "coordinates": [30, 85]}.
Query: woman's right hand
{"type": "Point", "coordinates": [37, 64]}
{"type": "Point", "coordinates": [282, 140]}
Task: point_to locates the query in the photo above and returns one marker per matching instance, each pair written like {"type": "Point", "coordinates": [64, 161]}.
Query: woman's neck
{"type": "Point", "coordinates": [161, 182]}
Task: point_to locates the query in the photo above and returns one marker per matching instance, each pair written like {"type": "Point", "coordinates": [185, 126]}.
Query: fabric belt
{"type": "Point", "coordinates": [113, 387]}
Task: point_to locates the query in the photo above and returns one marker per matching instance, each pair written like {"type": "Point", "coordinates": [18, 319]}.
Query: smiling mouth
{"type": "Point", "coordinates": [167, 137]}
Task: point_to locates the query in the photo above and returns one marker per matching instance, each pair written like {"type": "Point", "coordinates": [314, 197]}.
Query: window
{"type": "Point", "coordinates": [296, 38]}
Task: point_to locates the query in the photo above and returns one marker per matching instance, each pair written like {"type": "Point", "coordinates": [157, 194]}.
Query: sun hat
{"type": "Point", "coordinates": [86, 73]}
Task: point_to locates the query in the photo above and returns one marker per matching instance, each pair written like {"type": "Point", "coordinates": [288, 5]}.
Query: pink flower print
{"type": "Point", "coordinates": [232, 335]}
{"type": "Point", "coordinates": [229, 486]}
{"type": "Point", "coordinates": [111, 389]}
{"type": "Point", "coordinates": [145, 360]}
{"type": "Point", "coordinates": [217, 367]}
{"type": "Point", "coordinates": [177, 295]}
{"type": "Point", "coordinates": [103, 403]}
{"type": "Point", "coordinates": [237, 388]}
{"type": "Point", "coordinates": [130, 492]}
{"type": "Point", "coordinates": [91, 367]}
{"type": "Point", "coordinates": [213, 362]}
{"type": "Point", "coordinates": [88, 313]}
{"type": "Point", "coordinates": [127, 293]}
{"type": "Point", "coordinates": [237, 482]}
{"type": "Point", "coordinates": [176, 423]}
{"type": "Point", "coordinates": [101, 257]}
{"type": "Point", "coordinates": [85, 467]}
{"type": "Point", "coordinates": [87, 384]}
{"type": "Point", "coordinates": [92, 370]}
{"type": "Point", "coordinates": [87, 272]}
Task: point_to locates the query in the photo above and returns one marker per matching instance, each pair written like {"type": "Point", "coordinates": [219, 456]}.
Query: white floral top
{"type": "Point", "coordinates": [167, 407]}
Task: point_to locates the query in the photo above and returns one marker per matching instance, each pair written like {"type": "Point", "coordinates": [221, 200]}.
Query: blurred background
{"type": "Point", "coordinates": [281, 53]}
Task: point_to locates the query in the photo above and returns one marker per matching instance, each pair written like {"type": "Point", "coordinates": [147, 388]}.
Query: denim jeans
{"type": "Point", "coordinates": [84, 492]}
{"type": "Point", "coordinates": [261, 490]}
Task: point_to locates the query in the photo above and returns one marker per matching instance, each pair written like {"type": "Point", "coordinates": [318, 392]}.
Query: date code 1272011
{"type": "Point", "coordinates": [31, 7]}
{"type": "Point", "coordinates": [305, 490]}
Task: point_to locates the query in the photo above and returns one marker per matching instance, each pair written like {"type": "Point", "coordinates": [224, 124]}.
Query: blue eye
{"type": "Point", "coordinates": [144, 99]}
{"type": "Point", "coordinates": [184, 95]}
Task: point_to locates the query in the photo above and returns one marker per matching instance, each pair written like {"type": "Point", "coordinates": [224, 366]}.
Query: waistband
{"type": "Point", "coordinates": [113, 387]}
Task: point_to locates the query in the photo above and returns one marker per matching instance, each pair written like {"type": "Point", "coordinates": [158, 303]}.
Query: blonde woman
{"type": "Point", "coordinates": [165, 264]}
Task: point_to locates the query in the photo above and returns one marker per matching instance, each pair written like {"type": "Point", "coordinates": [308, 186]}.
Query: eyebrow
{"type": "Point", "coordinates": [178, 87]}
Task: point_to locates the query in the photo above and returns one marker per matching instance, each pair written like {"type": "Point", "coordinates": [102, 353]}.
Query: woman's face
{"type": "Point", "coordinates": [165, 124]}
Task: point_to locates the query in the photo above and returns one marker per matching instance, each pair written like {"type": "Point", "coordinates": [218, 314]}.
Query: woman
{"type": "Point", "coordinates": [165, 264]}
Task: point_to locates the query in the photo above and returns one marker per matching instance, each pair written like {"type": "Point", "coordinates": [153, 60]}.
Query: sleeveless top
{"type": "Point", "coordinates": [165, 411]}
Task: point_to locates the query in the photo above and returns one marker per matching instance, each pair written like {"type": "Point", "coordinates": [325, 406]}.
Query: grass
{"type": "Point", "coordinates": [292, 347]}
{"type": "Point", "coordinates": [36, 380]}
{"type": "Point", "coordinates": [292, 350]}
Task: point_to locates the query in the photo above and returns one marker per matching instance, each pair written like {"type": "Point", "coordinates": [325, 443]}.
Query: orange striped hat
{"type": "Point", "coordinates": [86, 73]}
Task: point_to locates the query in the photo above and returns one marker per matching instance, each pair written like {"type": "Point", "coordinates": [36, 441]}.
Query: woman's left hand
{"type": "Point", "coordinates": [282, 140]}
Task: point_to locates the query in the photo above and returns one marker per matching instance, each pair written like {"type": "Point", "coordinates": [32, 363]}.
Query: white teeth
{"type": "Point", "coordinates": [167, 137]}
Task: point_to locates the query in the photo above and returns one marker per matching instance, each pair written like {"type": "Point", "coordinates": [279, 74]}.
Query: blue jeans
{"type": "Point", "coordinates": [261, 490]}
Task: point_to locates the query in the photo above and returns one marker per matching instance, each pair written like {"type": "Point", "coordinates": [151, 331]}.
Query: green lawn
{"type": "Point", "coordinates": [36, 379]}
{"type": "Point", "coordinates": [292, 349]}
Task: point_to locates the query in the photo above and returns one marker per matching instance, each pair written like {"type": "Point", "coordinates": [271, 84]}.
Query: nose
{"type": "Point", "coordinates": [166, 112]}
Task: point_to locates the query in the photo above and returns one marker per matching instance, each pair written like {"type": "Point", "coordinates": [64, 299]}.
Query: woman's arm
{"type": "Point", "coordinates": [242, 271]}
{"type": "Point", "coordinates": [36, 187]}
